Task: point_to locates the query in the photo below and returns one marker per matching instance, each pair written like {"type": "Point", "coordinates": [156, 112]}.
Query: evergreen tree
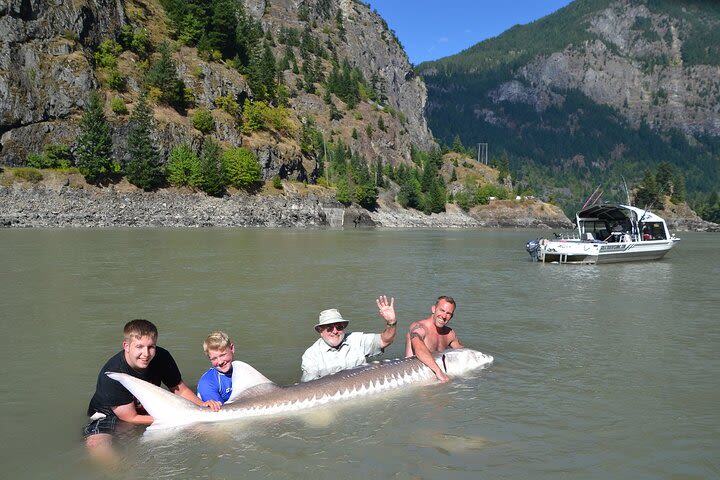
{"type": "Point", "coordinates": [221, 34]}
{"type": "Point", "coordinates": [648, 194]}
{"type": "Point", "coordinates": [381, 124]}
{"type": "Point", "coordinates": [94, 145]}
{"type": "Point", "coordinates": [242, 169]}
{"type": "Point", "coordinates": [262, 72]}
{"type": "Point", "coordinates": [379, 169]}
{"type": "Point", "coordinates": [664, 177]}
{"type": "Point", "coordinates": [144, 168]}
{"type": "Point", "coordinates": [679, 190]}
{"type": "Point", "coordinates": [184, 168]}
{"type": "Point", "coordinates": [503, 167]}
{"type": "Point", "coordinates": [457, 145]}
{"type": "Point", "coordinates": [429, 175]}
{"type": "Point", "coordinates": [436, 197]}
{"type": "Point", "coordinates": [249, 36]}
{"type": "Point", "coordinates": [409, 194]}
{"type": "Point", "coordinates": [343, 191]}
{"type": "Point", "coordinates": [212, 169]}
{"type": "Point", "coordinates": [163, 76]}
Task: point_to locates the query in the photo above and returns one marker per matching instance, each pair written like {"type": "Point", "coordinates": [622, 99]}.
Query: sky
{"type": "Point", "coordinates": [432, 29]}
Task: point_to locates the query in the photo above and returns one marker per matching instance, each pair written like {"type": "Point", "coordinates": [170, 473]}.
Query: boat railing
{"type": "Point", "coordinates": [575, 236]}
{"type": "Point", "coordinates": [567, 236]}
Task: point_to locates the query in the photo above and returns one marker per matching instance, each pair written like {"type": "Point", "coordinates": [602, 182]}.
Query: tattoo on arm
{"type": "Point", "coordinates": [418, 332]}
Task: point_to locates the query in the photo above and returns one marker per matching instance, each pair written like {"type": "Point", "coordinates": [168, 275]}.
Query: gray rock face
{"type": "Point", "coordinates": [65, 204]}
{"type": "Point", "coordinates": [372, 48]}
{"type": "Point", "coordinates": [41, 206]}
{"type": "Point", "coordinates": [45, 68]}
{"type": "Point", "coordinates": [502, 214]}
{"type": "Point", "coordinates": [614, 71]}
{"type": "Point", "coordinates": [47, 71]}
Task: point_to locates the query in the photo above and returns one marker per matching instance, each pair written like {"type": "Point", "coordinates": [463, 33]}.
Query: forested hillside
{"type": "Point", "coordinates": [216, 95]}
{"type": "Point", "coordinates": [601, 92]}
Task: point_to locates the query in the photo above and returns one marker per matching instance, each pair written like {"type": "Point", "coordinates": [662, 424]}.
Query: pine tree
{"type": "Point", "coordinates": [242, 169]}
{"type": "Point", "coordinates": [648, 194]}
{"type": "Point", "coordinates": [144, 168]}
{"type": "Point", "coordinates": [436, 197]}
{"type": "Point", "coordinates": [223, 26]}
{"type": "Point", "coordinates": [343, 191]}
{"type": "Point", "coordinates": [184, 168]}
{"type": "Point", "coordinates": [664, 178]}
{"type": "Point", "coordinates": [262, 72]}
{"type": "Point", "coordinates": [679, 190]}
{"type": "Point", "coordinates": [249, 34]}
{"type": "Point", "coordinates": [94, 145]}
{"type": "Point", "coordinates": [212, 169]}
{"type": "Point", "coordinates": [163, 76]}
{"type": "Point", "coordinates": [457, 145]}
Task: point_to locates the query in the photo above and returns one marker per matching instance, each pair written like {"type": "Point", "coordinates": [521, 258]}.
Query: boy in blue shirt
{"type": "Point", "coordinates": [216, 383]}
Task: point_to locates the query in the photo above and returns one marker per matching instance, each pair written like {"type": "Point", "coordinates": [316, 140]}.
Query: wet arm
{"type": "Point", "coordinates": [455, 343]}
{"type": "Point", "coordinates": [388, 335]}
{"type": "Point", "coordinates": [128, 413]}
{"type": "Point", "coordinates": [185, 392]}
{"type": "Point", "coordinates": [417, 337]}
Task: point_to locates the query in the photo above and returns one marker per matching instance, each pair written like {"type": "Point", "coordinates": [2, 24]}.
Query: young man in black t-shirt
{"type": "Point", "coordinates": [141, 358]}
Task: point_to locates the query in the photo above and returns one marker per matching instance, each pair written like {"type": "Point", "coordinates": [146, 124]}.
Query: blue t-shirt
{"type": "Point", "coordinates": [214, 385]}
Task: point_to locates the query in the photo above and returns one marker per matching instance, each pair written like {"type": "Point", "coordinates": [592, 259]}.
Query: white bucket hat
{"type": "Point", "coordinates": [329, 316]}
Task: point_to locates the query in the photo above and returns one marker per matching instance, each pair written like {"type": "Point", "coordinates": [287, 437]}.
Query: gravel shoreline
{"type": "Point", "coordinates": [42, 206]}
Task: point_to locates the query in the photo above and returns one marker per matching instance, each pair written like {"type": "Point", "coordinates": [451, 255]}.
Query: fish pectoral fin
{"type": "Point", "coordinates": [320, 418]}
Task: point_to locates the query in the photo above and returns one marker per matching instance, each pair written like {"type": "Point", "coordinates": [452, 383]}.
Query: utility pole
{"type": "Point", "coordinates": [483, 153]}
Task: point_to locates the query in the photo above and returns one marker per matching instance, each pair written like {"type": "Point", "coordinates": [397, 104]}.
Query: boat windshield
{"type": "Point", "coordinates": [599, 229]}
{"type": "Point", "coordinates": [653, 231]}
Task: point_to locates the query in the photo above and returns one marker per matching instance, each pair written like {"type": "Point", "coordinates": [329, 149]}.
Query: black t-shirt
{"type": "Point", "coordinates": [110, 393]}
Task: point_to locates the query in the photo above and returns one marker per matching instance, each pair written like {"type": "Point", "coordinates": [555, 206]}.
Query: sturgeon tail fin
{"type": "Point", "coordinates": [167, 409]}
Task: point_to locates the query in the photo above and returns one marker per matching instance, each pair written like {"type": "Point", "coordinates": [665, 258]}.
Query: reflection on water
{"type": "Point", "coordinates": [605, 371]}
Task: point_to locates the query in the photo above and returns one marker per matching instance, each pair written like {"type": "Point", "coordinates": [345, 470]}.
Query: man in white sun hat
{"type": "Point", "coordinates": [338, 349]}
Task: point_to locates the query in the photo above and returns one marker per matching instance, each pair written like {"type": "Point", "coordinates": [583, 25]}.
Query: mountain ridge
{"type": "Point", "coordinates": [598, 92]}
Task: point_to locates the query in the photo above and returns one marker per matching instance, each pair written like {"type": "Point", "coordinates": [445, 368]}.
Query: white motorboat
{"type": "Point", "coordinates": [607, 233]}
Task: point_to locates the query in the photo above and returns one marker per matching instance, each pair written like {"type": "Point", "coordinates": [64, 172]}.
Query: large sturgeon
{"type": "Point", "coordinates": [254, 395]}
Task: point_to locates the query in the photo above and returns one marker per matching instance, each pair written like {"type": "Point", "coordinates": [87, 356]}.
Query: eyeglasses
{"type": "Point", "coordinates": [337, 326]}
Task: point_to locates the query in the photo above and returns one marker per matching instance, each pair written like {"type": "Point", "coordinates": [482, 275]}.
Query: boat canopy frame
{"type": "Point", "coordinates": [631, 218]}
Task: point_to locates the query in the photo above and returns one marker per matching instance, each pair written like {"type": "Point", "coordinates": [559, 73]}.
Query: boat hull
{"type": "Point", "coordinates": [576, 252]}
{"type": "Point", "coordinates": [634, 252]}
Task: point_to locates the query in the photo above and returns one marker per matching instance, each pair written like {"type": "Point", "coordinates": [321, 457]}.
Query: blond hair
{"type": "Point", "coordinates": [216, 341]}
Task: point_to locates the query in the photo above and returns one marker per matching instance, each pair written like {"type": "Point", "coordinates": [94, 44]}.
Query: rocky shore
{"type": "Point", "coordinates": [24, 205]}
{"type": "Point", "coordinates": [41, 206]}
{"type": "Point", "coordinates": [68, 205]}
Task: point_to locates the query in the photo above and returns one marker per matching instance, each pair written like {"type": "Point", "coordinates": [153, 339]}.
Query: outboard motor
{"type": "Point", "coordinates": [533, 248]}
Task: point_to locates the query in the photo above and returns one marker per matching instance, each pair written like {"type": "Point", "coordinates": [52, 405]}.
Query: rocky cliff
{"type": "Point", "coordinates": [599, 92]}
{"type": "Point", "coordinates": [47, 69]}
{"type": "Point", "coordinates": [635, 66]}
{"type": "Point", "coordinates": [653, 62]}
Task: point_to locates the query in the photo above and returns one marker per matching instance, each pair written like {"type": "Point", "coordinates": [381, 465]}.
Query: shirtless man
{"type": "Point", "coordinates": [432, 334]}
